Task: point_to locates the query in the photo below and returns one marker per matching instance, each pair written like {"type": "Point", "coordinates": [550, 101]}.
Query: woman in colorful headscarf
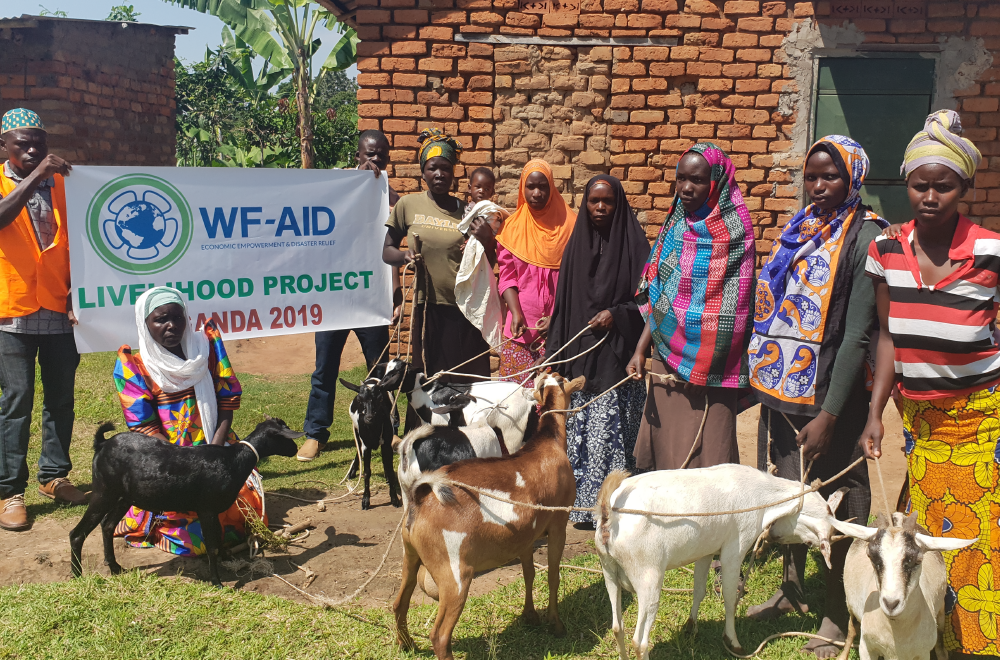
{"type": "Point", "coordinates": [601, 264]}
{"type": "Point", "coordinates": [529, 252]}
{"type": "Point", "coordinates": [182, 389]}
{"type": "Point", "coordinates": [448, 339]}
{"type": "Point", "coordinates": [813, 321]}
{"type": "Point", "coordinates": [695, 295]}
{"type": "Point", "coordinates": [936, 293]}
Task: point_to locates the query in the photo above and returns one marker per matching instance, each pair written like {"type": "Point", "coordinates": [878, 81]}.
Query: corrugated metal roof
{"type": "Point", "coordinates": [29, 21]}
{"type": "Point", "coordinates": [344, 10]}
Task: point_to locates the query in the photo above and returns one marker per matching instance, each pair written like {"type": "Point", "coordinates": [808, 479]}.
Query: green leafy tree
{"type": "Point", "coordinates": [123, 14]}
{"type": "Point", "coordinates": [256, 22]}
{"type": "Point", "coordinates": [228, 115]}
{"type": "Point", "coordinates": [58, 13]}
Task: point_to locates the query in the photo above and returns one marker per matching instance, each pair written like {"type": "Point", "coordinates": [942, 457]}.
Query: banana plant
{"type": "Point", "coordinates": [231, 156]}
{"type": "Point", "coordinates": [256, 22]}
{"type": "Point", "coordinates": [238, 60]}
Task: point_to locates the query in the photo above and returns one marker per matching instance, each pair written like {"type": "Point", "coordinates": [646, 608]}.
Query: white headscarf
{"type": "Point", "coordinates": [171, 373]}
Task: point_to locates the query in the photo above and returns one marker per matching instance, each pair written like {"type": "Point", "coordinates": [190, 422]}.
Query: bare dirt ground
{"type": "Point", "coordinates": [346, 544]}
{"type": "Point", "coordinates": [344, 548]}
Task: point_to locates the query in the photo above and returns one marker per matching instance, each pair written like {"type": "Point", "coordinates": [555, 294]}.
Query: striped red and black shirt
{"type": "Point", "coordinates": [943, 334]}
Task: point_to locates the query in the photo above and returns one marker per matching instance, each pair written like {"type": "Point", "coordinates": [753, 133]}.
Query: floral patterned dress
{"type": "Point", "coordinates": [952, 452]}
{"type": "Point", "coordinates": [150, 410]}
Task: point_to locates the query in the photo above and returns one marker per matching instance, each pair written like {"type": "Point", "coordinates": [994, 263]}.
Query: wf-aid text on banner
{"type": "Point", "coordinates": [261, 251]}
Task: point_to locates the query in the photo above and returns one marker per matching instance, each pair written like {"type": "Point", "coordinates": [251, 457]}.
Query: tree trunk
{"type": "Point", "coordinates": [305, 114]}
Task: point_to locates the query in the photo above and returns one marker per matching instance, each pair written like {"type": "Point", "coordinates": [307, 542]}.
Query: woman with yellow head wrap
{"type": "Point", "coordinates": [442, 336]}
{"type": "Point", "coordinates": [936, 292]}
{"type": "Point", "coordinates": [941, 143]}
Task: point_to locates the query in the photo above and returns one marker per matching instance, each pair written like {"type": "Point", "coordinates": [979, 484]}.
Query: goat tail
{"type": "Point", "coordinates": [602, 508]}
{"type": "Point", "coordinates": [100, 433]}
{"type": "Point", "coordinates": [433, 482]}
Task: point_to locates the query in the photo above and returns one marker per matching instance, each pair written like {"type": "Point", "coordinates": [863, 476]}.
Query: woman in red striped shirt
{"type": "Point", "coordinates": [936, 292]}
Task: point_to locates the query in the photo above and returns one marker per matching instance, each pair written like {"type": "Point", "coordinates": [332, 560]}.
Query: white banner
{"type": "Point", "coordinates": [262, 251]}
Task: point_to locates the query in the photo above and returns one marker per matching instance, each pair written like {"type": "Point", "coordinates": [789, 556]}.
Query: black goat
{"type": "Point", "coordinates": [371, 416]}
{"type": "Point", "coordinates": [132, 469]}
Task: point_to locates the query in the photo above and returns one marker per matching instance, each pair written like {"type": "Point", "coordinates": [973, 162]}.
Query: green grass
{"type": "Point", "coordinates": [145, 616]}
{"type": "Point", "coordinates": [142, 616]}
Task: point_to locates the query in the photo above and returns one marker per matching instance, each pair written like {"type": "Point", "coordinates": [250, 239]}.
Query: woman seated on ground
{"type": "Point", "coordinates": [935, 290]}
{"type": "Point", "coordinates": [603, 260]}
{"type": "Point", "coordinates": [180, 388]}
{"type": "Point", "coordinates": [695, 294]}
{"type": "Point", "coordinates": [448, 338]}
{"type": "Point", "coordinates": [815, 314]}
{"type": "Point", "coordinates": [529, 253]}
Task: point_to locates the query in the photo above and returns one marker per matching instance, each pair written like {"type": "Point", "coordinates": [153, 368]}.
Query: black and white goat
{"type": "Point", "coordinates": [132, 469]}
{"type": "Point", "coordinates": [371, 416]}
{"type": "Point", "coordinates": [506, 407]}
{"type": "Point", "coordinates": [427, 448]}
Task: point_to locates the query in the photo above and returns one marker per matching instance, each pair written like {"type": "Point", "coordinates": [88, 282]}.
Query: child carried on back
{"type": "Point", "coordinates": [475, 285]}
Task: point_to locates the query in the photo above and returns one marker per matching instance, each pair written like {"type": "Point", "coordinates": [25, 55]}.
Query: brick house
{"type": "Point", "coordinates": [105, 90]}
{"type": "Point", "coordinates": [624, 86]}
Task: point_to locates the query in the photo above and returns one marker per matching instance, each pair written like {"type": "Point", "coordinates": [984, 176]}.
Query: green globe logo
{"type": "Point", "coordinates": [139, 224]}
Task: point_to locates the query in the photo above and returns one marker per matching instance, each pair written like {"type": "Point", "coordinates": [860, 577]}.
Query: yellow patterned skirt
{"type": "Point", "coordinates": [951, 449]}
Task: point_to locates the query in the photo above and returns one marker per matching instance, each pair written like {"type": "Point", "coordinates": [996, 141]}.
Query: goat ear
{"type": "Point", "coordinates": [576, 384]}
{"type": "Point", "coordinates": [392, 379]}
{"type": "Point", "coordinates": [447, 409]}
{"type": "Point", "coordinates": [350, 386]}
{"type": "Point", "coordinates": [939, 544]}
{"type": "Point", "coordinates": [290, 434]}
{"type": "Point", "coordinates": [854, 531]}
{"type": "Point", "coordinates": [775, 513]}
{"type": "Point", "coordinates": [835, 499]}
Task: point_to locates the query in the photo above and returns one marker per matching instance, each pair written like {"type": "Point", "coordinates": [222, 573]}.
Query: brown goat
{"type": "Point", "coordinates": [455, 533]}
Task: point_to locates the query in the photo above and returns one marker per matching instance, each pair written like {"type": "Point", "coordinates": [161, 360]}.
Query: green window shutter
{"type": "Point", "coordinates": [881, 103]}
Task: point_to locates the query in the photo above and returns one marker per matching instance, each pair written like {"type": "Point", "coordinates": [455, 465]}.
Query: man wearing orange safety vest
{"type": "Point", "coordinates": [36, 317]}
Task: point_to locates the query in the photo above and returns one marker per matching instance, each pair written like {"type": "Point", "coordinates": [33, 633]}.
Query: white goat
{"type": "Point", "coordinates": [636, 550]}
{"type": "Point", "coordinates": [895, 582]}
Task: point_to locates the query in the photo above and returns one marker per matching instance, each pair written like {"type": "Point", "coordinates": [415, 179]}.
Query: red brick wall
{"type": "Point", "coordinates": [104, 92]}
{"type": "Point", "coordinates": [727, 80]}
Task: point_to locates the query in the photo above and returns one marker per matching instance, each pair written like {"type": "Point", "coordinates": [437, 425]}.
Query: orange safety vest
{"type": "Point", "coordinates": [31, 278]}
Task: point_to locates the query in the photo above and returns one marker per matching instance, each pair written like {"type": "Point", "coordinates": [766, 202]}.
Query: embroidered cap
{"type": "Point", "coordinates": [20, 118]}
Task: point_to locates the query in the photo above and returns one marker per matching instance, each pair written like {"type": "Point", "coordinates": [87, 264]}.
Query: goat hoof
{"type": "Point", "coordinates": [396, 502]}
{"type": "Point", "coordinates": [405, 642]}
{"type": "Point", "coordinates": [558, 629]}
{"type": "Point", "coordinates": [365, 504]}
{"type": "Point", "coordinates": [531, 618]}
{"type": "Point", "coordinates": [733, 646]}
{"type": "Point", "coordinates": [115, 568]}
{"type": "Point", "coordinates": [691, 627]}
